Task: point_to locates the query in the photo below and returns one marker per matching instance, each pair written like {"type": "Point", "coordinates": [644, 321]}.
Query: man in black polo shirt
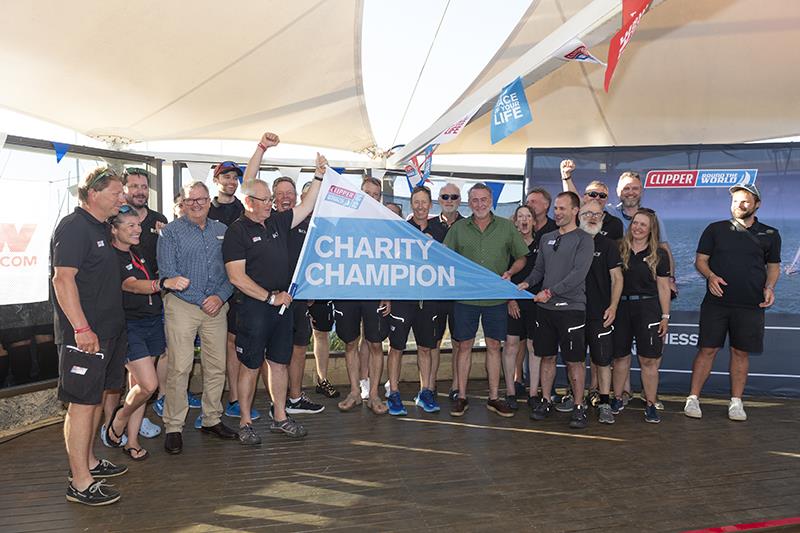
{"type": "Point", "coordinates": [596, 191]}
{"type": "Point", "coordinates": [740, 258]}
{"type": "Point", "coordinates": [421, 315]}
{"type": "Point", "coordinates": [603, 289]}
{"type": "Point", "coordinates": [256, 254]}
{"type": "Point", "coordinates": [89, 328]}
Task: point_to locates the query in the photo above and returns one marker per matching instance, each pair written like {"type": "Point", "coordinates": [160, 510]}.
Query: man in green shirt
{"type": "Point", "coordinates": [489, 241]}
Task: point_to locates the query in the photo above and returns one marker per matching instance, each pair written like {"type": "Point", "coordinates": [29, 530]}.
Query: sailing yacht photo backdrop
{"type": "Point", "coordinates": [687, 186]}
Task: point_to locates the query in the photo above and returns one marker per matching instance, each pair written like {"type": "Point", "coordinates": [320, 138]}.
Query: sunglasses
{"type": "Point", "coordinates": [557, 243]}
{"type": "Point", "coordinates": [449, 196]}
{"type": "Point", "coordinates": [595, 194]}
{"type": "Point", "coordinates": [107, 173]}
{"type": "Point", "coordinates": [136, 171]}
{"type": "Point", "coordinates": [646, 210]}
{"type": "Point", "coordinates": [226, 166]}
{"type": "Point", "coordinates": [125, 209]}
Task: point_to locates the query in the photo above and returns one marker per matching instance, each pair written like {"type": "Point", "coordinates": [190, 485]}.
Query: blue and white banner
{"type": "Point", "coordinates": [511, 111]}
{"type": "Point", "coordinates": [356, 249]}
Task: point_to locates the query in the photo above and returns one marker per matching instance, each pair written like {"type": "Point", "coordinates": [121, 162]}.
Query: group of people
{"type": "Point", "coordinates": [130, 287]}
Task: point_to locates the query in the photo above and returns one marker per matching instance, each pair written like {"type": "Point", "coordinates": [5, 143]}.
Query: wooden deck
{"type": "Point", "coordinates": [356, 471]}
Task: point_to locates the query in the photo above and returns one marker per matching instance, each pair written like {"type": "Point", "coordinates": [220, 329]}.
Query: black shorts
{"type": "Point", "coordinates": [638, 320]}
{"type": "Point", "coordinates": [744, 325]}
{"type": "Point", "coordinates": [561, 329]}
{"type": "Point", "coordinates": [262, 332]}
{"type": "Point", "coordinates": [301, 323]}
{"type": "Point", "coordinates": [10, 336]}
{"type": "Point", "coordinates": [444, 317]}
{"type": "Point", "coordinates": [524, 326]}
{"type": "Point", "coordinates": [423, 318]}
{"type": "Point", "coordinates": [600, 341]}
{"type": "Point", "coordinates": [321, 315]}
{"type": "Point", "coordinates": [233, 302]}
{"type": "Point", "coordinates": [348, 315]}
{"type": "Point", "coordinates": [83, 377]}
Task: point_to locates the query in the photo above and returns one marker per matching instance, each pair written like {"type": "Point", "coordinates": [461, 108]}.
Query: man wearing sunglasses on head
{"type": "Point", "coordinates": [596, 191]}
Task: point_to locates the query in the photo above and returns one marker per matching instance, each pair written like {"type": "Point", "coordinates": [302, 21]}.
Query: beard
{"type": "Point", "coordinates": [137, 201]}
{"type": "Point", "coordinates": [743, 214]}
{"type": "Point", "coordinates": [591, 229]}
{"type": "Point", "coordinates": [631, 202]}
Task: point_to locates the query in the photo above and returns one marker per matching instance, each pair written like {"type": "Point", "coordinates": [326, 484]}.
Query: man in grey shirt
{"type": "Point", "coordinates": [564, 259]}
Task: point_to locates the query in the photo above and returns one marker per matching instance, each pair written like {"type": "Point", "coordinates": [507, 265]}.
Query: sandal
{"type": "Point", "coordinates": [114, 442]}
{"type": "Point", "coordinates": [377, 406]}
{"type": "Point", "coordinates": [144, 454]}
{"type": "Point", "coordinates": [350, 402]}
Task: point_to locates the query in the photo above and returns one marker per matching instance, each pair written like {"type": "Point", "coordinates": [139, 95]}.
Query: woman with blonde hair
{"type": "Point", "coordinates": [643, 312]}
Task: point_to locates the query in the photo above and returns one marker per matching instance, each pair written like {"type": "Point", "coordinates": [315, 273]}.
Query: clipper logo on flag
{"type": "Point", "coordinates": [511, 111]}
{"type": "Point", "coordinates": [666, 179]}
{"type": "Point", "coordinates": [575, 50]}
{"type": "Point", "coordinates": [356, 249]}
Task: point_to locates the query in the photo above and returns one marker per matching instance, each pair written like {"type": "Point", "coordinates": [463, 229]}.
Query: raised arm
{"type": "Point", "coordinates": [567, 167]}
{"type": "Point", "coordinates": [267, 141]}
{"type": "Point", "coordinates": [305, 208]}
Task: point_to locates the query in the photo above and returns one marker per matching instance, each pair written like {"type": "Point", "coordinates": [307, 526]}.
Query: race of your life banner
{"type": "Point", "coordinates": [356, 249]}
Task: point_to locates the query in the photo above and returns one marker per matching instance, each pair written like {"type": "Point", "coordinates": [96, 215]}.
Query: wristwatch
{"type": "Point", "coordinates": [271, 299]}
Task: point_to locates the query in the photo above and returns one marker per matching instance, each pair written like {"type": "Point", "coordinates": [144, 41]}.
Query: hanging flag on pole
{"type": "Point", "coordinates": [632, 12]}
{"type": "Point", "coordinates": [356, 249]}
{"type": "Point", "coordinates": [511, 111]}
{"type": "Point", "coordinates": [455, 130]}
{"type": "Point", "coordinates": [61, 150]}
{"type": "Point", "coordinates": [416, 174]}
{"type": "Point", "coordinates": [575, 50]}
{"type": "Point", "coordinates": [497, 189]}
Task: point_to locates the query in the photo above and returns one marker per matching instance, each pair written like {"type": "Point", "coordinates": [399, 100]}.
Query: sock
{"type": "Point", "coordinates": [234, 402]}
{"type": "Point", "coordinates": [295, 400]}
{"type": "Point", "coordinates": [604, 398]}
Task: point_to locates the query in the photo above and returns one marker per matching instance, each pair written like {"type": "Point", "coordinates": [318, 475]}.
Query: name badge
{"type": "Point", "coordinates": [256, 239]}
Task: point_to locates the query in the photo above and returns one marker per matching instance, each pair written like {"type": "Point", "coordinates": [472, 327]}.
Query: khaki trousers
{"type": "Point", "coordinates": [184, 321]}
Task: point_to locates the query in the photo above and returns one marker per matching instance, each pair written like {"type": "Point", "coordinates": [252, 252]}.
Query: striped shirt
{"type": "Point", "coordinates": [184, 249]}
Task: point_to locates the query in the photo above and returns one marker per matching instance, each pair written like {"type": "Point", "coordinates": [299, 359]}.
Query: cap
{"type": "Point", "coordinates": [749, 187]}
{"type": "Point", "coordinates": [227, 166]}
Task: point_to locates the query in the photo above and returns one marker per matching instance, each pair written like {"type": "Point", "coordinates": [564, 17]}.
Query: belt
{"type": "Point", "coordinates": [636, 297]}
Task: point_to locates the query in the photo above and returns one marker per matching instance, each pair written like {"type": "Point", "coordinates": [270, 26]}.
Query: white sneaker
{"type": "Point", "coordinates": [364, 384]}
{"type": "Point", "coordinates": [388, 388]}
{"type": "Point", "coordinates": [692, 407]}
{"type": "Point", "coordinates": [736, 410]}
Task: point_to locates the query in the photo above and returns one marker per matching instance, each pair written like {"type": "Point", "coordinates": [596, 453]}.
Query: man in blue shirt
{"type": "Point", "coordinates": [191, 246]}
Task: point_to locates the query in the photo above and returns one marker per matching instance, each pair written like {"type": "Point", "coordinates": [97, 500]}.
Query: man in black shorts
{"type": "Point", "coordinates": [564, 259]}
{"type": "Point", "coordinates": [89, 328]}
{"type": "Point", "coordinates": [256, 255]}
{"type": "Point", "coordinates": [740, 258]}
{"type": "Point", "coordinates": [603, 289]}
{"type": "Point", "coordinates": [349, 315]}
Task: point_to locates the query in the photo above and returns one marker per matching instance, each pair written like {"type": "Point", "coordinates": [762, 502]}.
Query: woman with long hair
{"type": "Point", "coordinates": [643, 312]}
{"type": "Point", "coordinates": [141, 300]}
{"type": "Point", "coordinates": [521, 321]}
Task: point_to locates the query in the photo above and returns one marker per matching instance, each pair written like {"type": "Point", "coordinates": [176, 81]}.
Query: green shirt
{"type": "Point", "coordinates": [490, 248]}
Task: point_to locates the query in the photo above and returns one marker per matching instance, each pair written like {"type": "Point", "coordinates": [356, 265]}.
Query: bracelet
{"type": "Point", "coordinates": [262, 146]}
{"type": "Point", "coordinates": [317, 178]}
{"type": "Point", "coordinates": [84, 329]}
{"type": "Point", "coordinates": [665, 315]}
{"type": "Point", "coordinates": [154, 286]}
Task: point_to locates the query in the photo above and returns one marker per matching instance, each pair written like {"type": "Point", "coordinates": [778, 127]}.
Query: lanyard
{"type": "Point", "coordinates": [138, 265]}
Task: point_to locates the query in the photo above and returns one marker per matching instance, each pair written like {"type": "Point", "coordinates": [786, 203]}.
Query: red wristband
{"type": "Point", "coordinates": [84, 329]}
{"type": "Point", "coordinates": [262, 146]}
{"type": "Point", "coordinates": [154, 286]}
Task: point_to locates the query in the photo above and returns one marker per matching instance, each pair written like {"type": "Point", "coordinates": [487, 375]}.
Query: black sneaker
{"type": "Point", "coordinates": [105, 469]}
{"type": "Point", "coordinates": [519, 389]}
{"type": "Point", "coordinates": [303, 405]}
{"type": "Point", "coordinates": [95, 494]}
{"type": "Point", "coordinates": [579, 419]}
{"type": "Point", "coordinates": [511, 400]}
{"type": "Point", "coordinates": [542, 410]}
{"type": "Point", "coordinates": [325, 388]}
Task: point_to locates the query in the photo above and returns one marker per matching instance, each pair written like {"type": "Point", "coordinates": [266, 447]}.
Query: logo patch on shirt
{"type": "Point", "coordinates": [80, 370]}
{"type": "Point", "coordinates": [275, 235]}
{"type": "Point", "coordinates": [551, 242]}
{"type": "Point", "coordinates": [129, 266]}
{"type": "Point", "coordinates": [301, 230]}
{"type": "Point", "coordinates": [597, 254]}
{"type": "Point", "coordinates": [256, 239]}
{"type": "Point", "coordinates": [100, 244]}
{"type": "Point", "coordinates": [220, 237]}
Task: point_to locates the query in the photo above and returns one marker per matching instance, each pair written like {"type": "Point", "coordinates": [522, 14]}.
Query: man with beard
{"type": "Point", "coordinates": [596, 191]}
{"type": "Point", "coordinates": [564, 259]}
{"type": "Point", "coordinates": [603, 290]}
{"type": "Point", "coordinates": [740, 258]}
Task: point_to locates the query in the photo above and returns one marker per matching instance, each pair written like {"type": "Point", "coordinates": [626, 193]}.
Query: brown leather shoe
{"type": "Point", "coordinates": [220, 430]}
{"type": "Point", "coordinates": [459, 407]}
{"type": "Point", "coordinates": [500, 407]}
{"type": "Point", "coordinates": [173, 442]}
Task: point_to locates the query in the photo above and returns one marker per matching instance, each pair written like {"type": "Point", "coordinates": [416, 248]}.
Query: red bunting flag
{"type": "Point", "coordinates": [632, 12]}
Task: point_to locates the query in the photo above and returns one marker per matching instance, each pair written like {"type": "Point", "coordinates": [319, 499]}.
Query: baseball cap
{"type": "Point", "coordinates": [749, 187]}
{"type": "Point", "coordinates": [227, 166]}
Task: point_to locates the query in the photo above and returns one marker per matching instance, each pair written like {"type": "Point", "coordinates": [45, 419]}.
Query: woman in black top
{"type": "Point", "coordinates": [643, 311]}
{"type": "Point", "coordinates": [521, 319]}
{"type": "Point", "coordinates": [141, 300]}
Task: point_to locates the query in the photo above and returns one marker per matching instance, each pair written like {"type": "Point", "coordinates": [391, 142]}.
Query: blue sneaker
{"type": "Point", "coordinates": [427, 400]}
{"type": "Point", "coordinates": [651, 414]}
{"type": "Point", "coordinates": [396, 407]}
{"type": "Point", "coordinates": [194, 400]}
{"type": "Point", "coordinates": [235, 411]}
{"type": "Point", "coordinates": [616, 406]}
{"type": "Point", "coordinates": [158, 407]}
{"type": "Point", "coordinates": [198, 422]}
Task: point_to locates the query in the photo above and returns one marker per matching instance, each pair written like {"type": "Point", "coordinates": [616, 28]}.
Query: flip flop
{"type": "Point", "coordinates": [131, 451]}
{"type": "Point", "coordinates": [350, 402]}
{"type": "Point", "coordinates": [377, 406]}
{"type": "Point", "coordinates": [114, 443]}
